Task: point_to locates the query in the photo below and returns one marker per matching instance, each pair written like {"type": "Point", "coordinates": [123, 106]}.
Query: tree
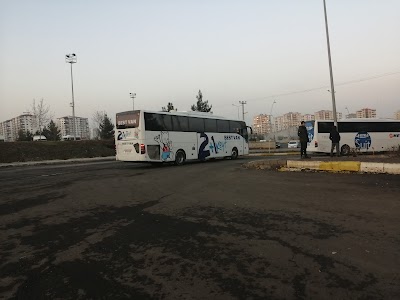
{"type": "Point", "coordinates": [24, 136]}
{"type": "Point", "coordinates": [98, 118]}
{"type": "Point", "coordinates": [201, 105]}
{"type": "Point", "coordinates": [42, 114]}
{"type": "Point", "coordinates": [170, 107]}
{"type": "Point", "coordinates": [21, 136]}
{"type": "Point", "coordinates": [106, 128]}
{"type": "Point", "coordinates": [51, 132]}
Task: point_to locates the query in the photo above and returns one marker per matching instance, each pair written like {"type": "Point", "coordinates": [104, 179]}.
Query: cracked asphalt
{"type": "Point", "coordinates": [214, 230]}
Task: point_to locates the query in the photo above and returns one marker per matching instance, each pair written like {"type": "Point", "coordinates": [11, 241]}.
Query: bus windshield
{"type": "Point", "coordinates": [128, 119]}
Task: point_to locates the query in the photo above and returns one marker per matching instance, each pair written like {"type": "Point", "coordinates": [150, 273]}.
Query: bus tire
{"type": "Point", "coordinates": [180, 157]}
{"type": "Point", "coordinates": [345, 150]}
{"type": "Point", "coordinates": [235, 153]}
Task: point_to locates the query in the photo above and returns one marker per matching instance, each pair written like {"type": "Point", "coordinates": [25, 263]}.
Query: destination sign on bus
{"type": "Point", "coordinates": [127, 120]}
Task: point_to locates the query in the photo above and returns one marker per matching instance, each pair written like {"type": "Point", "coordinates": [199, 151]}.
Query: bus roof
{"type": "Point", "coordinates": [361, 120]}
{"type": "Point", "coordinates": [181, 113]}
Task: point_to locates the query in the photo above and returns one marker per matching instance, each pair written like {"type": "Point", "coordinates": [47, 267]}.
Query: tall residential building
{"type": "Point", "coordinates": [308, 117]}
{"type": "Point", "coordinates": [9, 129]}
{"type": "Point", "coordinates": [366, 113]}
{"type": "Point", "coordinates": [351, 116]}
{"type": "Point", "coordinates": [65, 124]}
{"type": "Point", "coordinates": [262, 124]}
{"type": "Point", "coordinates": [326, 115]}
{"type": "Point", "coordinates": [397, 115]}
{"type": "Point", "coordinates": [288, 120]}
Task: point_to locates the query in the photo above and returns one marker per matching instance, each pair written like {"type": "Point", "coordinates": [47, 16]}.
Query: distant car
{"type": "Point", "coordinates": [277, 145]}
{"type": "Point", "coordinates": [293, 144]}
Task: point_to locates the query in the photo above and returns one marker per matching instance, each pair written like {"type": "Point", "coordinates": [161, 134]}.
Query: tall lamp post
{"type": "Point", "coordinates": [330, 68]}
{"type": "Point", "coordinates": [238, 107]}
{"type": "Point", "coordinates": [71, 59]}
{"type": "Point", "coordinates": [270, 119]}
{"type": "Point", "coordinates": [243, 103]}
{"type": "Point", "coordinates": [133, 96]}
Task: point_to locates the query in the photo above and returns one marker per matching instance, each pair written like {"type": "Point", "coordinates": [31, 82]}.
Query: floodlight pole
{"type": "Point", "coordinates": [71, 59]}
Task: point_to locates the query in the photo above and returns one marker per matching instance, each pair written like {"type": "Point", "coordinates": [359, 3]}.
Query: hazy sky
{"type": "Point", "coordinates": [165, 51]}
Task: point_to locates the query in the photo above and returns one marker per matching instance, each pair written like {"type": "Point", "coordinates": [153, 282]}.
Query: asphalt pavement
{"type": "Point", "coordinates": [204, 230]}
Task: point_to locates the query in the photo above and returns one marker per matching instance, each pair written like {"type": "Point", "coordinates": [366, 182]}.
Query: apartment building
{"type": "Point", "coordinates": [366, 113]}
{"type": "Point", "coordinates": [326, 115]}
{"type": "Point", "coordinates": [287, 120]}
{"type": "Point", "coordinates": [308, 117]}
{"type": "Point", "coordinates": [9, 129]}
{"type": "Point", "coordinates": [66, 126]}
{"type": "Point", "coordinates": [262, 124]}
{"type": "Point", "coordinates": [397, 115]}
{"type": "Point", "coordinates": [351, 116]}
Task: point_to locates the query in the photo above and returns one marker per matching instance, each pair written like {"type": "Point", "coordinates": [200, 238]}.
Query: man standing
{"type": "Point", "coordinates": [334, 136]}
{"type": "Point", "coordinates": [303, 135]}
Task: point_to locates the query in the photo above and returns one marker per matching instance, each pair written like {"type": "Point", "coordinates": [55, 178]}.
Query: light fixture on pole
{"type": "Point", "coordinates": [270, 116]}
{"type": "Point", "coordinates": [133, 96]}
{"type": "Point", "coordinates": [243, 103]}
{"type": "Point", "coordinates": [330, 68]}
{"type": "Point", "coordinates": [71, 59]}
{"type": "Point", "coordinates": [238, 107]}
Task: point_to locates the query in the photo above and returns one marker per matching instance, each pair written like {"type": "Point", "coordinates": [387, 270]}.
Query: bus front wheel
{"type": "Point", "coordinates": [234, 154]}
{"type": "Point", "coordinates": [180, 158]}
{"type": "Point", "coordinates": [345, 150]}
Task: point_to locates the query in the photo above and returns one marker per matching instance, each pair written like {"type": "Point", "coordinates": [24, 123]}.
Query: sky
{"type": "Point", "coordinates": [166, 51]}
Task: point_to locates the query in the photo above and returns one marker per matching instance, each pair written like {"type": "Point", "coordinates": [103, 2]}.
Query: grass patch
{"type": "Point", "coordinates": [37, 151]}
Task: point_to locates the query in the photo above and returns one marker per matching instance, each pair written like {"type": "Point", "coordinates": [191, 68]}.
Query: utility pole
{"type": "Point", "coordinates": [330, 68]}
{"type": "Point", "coordinates": [133, 95]}
{"type": "Point", "coordinates": [243, 103]}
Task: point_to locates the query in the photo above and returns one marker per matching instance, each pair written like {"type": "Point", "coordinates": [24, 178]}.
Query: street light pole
{"type": "Point", "coordinates": [238, 107]}
{"type": "Point", "coordinates": [71, 59]}
{"type": "Point", "coordinates": [133, 95]}
{"type": "Point", "coordinates": [270, 116]}
{"type": "Point", "coordinates": [243, 103]}
{"type": "Point", "coordinates": [330, 68]}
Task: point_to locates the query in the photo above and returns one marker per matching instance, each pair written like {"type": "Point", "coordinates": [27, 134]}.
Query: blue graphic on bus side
{"type": "Point", "coordinates": [363, 140]}
{"type": "Point", "coordinates": [310, 130]}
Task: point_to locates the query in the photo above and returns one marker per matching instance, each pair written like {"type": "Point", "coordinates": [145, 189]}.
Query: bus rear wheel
{"type": "Point", "coordinates": [180, 158]}
{"type": "Point", "coordinates": [234, 154]}
{"type": "Point", "coordinates": [345, 150]}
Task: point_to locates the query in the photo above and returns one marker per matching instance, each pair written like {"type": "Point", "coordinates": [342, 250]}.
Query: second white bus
{"type": "Point", "coordinates": [363, 135]}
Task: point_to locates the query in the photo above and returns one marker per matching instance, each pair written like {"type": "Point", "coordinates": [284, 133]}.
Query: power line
{"type": "Point", "coordinates": [325, 87]}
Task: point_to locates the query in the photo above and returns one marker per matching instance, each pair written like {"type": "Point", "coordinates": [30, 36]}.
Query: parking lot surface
{"type": "Point", "coordinates": [204, 230]}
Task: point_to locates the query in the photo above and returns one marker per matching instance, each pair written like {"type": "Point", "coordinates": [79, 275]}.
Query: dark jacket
{"type": "Point", "coordinates": [303, 135]}
{"type": "Point", "coordinates": [334, 136]}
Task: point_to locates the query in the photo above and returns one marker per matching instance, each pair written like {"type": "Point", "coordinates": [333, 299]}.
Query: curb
{"type": "Point", "coordinates": [272, 154]}
{"type": "Point", "coordinates": [346, 166]}
{"type": "Point", "coordinates": [56, 161]}
{"type": "Point", "coordinates": [331, 166]}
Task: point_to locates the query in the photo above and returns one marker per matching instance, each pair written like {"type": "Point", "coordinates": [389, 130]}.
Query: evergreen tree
{"type": "Point", "coordinates": [106, 128]}
{"type": "Point", "coordinates": [201, 105]}
{"type": "Point", "coordinates": [51, 132]}
{"type": "Point", "coordinates": [21, 136]}
{"type": "Point", "coordinates": [170, 107]}
{"type": "Point", "coordinates": [24, 136]}
{"type": "Point", "coordinates": [29, 136]}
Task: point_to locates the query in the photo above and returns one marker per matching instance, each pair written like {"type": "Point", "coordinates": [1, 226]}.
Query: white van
{"type": "Point", "coordinates": [39, 138]}
{"type": "Point", "coordinates": [293, 144]}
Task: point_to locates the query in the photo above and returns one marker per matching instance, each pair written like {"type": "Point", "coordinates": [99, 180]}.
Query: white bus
{"type": "Point", "coordinates": [148, 136]}
{"type": "Point", "coordinates": [363, 135]}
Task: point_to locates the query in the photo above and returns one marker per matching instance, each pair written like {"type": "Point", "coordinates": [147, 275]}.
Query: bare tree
{"type": "Point", "coordinates": [42, 114]}
{"type": "Point", "coordinates": [98, 119]}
